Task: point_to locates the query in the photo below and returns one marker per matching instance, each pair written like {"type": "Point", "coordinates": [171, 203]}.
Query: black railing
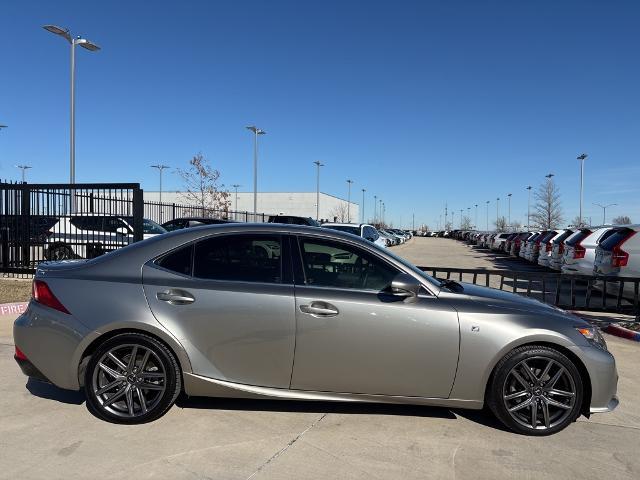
{"type": "Point", "coordinates": [163, 212]}
{"type": "Point", "coordinates": [572, 292]}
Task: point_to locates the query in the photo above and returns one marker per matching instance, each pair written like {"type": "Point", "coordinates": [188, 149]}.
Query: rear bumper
{"type": "Point", "coordinates": [30, 370]}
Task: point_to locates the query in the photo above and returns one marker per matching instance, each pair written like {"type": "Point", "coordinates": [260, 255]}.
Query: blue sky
{"type": "Point", "coordinates": [421, 103]}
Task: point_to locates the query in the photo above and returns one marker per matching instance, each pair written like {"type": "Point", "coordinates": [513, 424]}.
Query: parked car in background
{"type": "Point", "coordinates": [533, 252]}
{"type": "Point", "coordinates": [91, 235]}
{"type": "Point", "coordinates": [557, 249]}
{"type": "Point", "coordinates": [497, 241]}
{"type": "Point", "coordinates": [618, 255]}
{"type": "Point", "coordinates": [507, 243]}
{"type": "Point", "coordinates": [293, 220]}
{"type": "Point", "coordinates": [390, 239]}
{"type": "Point", "coordinates": [188, 222]}
{"type": "Point", "coordinates": [518, 242]}
{"type": "Point", "coordinates": [580, 250]}
{"type": "Point", "coordinates": [364, 230]}
{"type": "Point", "coordinates": [546, 247]}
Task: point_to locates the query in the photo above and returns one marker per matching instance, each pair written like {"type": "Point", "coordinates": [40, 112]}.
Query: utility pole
{"type": "Point", "coordinates": [256, 132]}
{"type": "Point", "coordinates": [318, 164]}
{"type": "Point", "coordinates": [529, 209]}
{"type": "Point", "coordinates": [349, 182]}
{"type": "Point", "coordinates": [363, 190]}
{"type": "Point", "coordinates": [582, 158]}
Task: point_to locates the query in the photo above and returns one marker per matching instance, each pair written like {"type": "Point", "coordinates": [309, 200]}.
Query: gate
{"type": "Point", "coordinates": [41, 222]}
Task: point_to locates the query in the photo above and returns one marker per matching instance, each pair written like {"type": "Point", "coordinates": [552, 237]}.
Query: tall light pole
{"type": "Point", "coordinates": [160, 168]}
{"type": "Point", "coordinates": [3, 126]}
{"type": "Point", "coordinates": [453, 222]}
{"type": "Point", "coordinates": [318, 164]}
{"type": "Point", "coordinates": [256, 131]}
{"type": "Point", "coordinates": [384, 211]}
{"type": "Point", "coordinates": [548, 177]}
{"type": "Point", "coordinates": [413, 221]}
{"type": "Point", "coordinates": [604, 211]}
{"type": "Point", "coordinates": [23, 168]}
{"type": "Point", "coordinates": [446, 215]}
{"type": "Point", "coordinates": [375, 209]}
{"type": "Point", "coordinates": [461, 210]}
{"type": "Point", "coordinates": [529, 208]}
{"type": "Point", "coordinates": [380, 211]}
{"type": "Point", "coordinates": [582, 158]}
{"type": "Point", "coordinates": [509, 214]}
{"type": "Point", "coordinates": [363, 190]}
{"type": "Point", "coordinates": [476, 225]}
{"type": "Point", "coordinates": [349, 182]}
{"type": "Point", "coordinates": [92, 47]}
{"type": "Point", "coordinates": [488, 201]}
{"type": "Point", "coordinates": [235, 204]}
{"type": "Point", "coordinates": [497, 211]}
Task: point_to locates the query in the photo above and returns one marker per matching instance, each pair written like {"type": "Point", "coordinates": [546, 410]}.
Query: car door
{"type": "Point", "coordinates": [231, 304]}
{"type": "Point", "coordinates": [354, 336]}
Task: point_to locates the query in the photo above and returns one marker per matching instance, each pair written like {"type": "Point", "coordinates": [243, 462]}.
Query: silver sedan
{"type": "Point", "coordinates": [302, 313]}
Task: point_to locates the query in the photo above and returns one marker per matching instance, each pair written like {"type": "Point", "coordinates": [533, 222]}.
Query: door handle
{"type": "Point", "coordinates": [175, 297]}
{"type": "Point", "coordinates": [321, 309]}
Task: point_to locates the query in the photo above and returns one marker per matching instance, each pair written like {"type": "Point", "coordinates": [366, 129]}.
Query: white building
{"type": "Point", "coordinates": [301, 204]}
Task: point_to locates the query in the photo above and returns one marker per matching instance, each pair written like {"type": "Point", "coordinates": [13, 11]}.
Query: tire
{"type": "Point", "coordinates": [59, 252]}
{"type": "Point", "coordinates": [121, 391]}
{"type": "Point", "coordinates": [535, 377]}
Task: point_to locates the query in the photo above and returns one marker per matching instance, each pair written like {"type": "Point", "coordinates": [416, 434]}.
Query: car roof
{"type": "Point", "coordinates": [336, 224]}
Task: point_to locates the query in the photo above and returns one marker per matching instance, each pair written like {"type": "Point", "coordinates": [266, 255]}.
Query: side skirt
{"type": "Point", "coordinates": [198, 386]}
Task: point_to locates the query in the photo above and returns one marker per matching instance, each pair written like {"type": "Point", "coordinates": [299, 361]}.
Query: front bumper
{"type": "Point", "coordinates": [601, 367]}
{"type": "Point", "coordinates": [611, 406]}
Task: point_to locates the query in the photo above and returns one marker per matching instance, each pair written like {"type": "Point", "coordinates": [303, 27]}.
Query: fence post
{"type": "Point", "coordinates": [25, 214]}
{"type": "Point", "coordinates": [138, 212]}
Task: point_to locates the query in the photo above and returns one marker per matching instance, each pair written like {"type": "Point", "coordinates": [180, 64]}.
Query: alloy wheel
{"type": "Point", "coordinates": [539, 393]}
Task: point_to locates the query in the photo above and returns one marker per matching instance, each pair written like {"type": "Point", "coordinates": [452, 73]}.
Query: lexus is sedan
{"type": "Point", "coordinates": [305, 313]}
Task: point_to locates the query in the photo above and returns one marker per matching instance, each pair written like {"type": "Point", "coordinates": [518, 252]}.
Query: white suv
{"type": "Point", "coordinates": [580, 250]}
{"type": "Point", "coordinates": [619, 255]}
{"type": "Point", "coordinates": [364, 230]}
{"type": "Point", "coordinates": [91, 235]}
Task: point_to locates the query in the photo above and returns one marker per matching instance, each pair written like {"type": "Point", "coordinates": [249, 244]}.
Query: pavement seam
{"type": "Point", "coordinates": [286, 447]}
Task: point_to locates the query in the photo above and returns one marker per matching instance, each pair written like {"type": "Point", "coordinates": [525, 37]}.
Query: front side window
{"type": "Point", "coordinates": [243, 258]}
{"type": "Point", "coordinates": [338, 265]}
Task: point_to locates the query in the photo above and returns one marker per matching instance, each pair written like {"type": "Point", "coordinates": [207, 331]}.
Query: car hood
{"type": "Point", "coordinates": [501, 300]}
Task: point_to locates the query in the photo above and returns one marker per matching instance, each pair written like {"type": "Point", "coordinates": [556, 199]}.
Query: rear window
{"type": "Point", "coordinates": [617, 236]}
{"type": "Point", "coordinates": [534, 236]}
{"type": "Point", "coordinates": [577, 237]}
{"type": "Point", "coordinates": [548, 237]}
{"type": "Point", "coordinates": [563, 236]}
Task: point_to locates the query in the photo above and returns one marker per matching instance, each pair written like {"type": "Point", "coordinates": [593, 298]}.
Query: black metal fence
{"type": "Point", "coordinates": [61, 221]}
{"type": "Point", "coordinates": [572, 292]}
{"type": "Point", "coordinates": [163, 212]}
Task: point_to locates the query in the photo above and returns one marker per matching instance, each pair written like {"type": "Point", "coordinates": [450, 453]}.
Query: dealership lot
{"type": "Point", "coordinates": [49, 432]}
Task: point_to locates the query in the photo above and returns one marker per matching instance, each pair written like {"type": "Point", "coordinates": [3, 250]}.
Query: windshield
{"type": "Point", "coordinates": [151, 227]}
{"type": "Point", "coordinates": [345, 228]}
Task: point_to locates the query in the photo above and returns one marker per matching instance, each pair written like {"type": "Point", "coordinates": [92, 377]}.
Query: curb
{"type": "Point", "coordinates": [14, 308]}
{"type": "Point", "coordinates": [618, 331]}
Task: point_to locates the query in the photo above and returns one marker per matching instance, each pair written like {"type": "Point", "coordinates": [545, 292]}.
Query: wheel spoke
{"type": "Point", "coordinates": [513, 396]}
{"type": "Point", "coordinates": [151, 375]}
{"type": "Point", "coordinates": [530, 374]}
{"type": "Point", "coordinates": [129, 398]}
{"type": "Point", "coordinates": [534, 414]}
{"type": "Point", "coordinates": [545, 372]}
{"type": "Point", "coordinates": [117, 361]}
{"type": "Point", "coordinates": [132, 359]}
{"type": "Point", "coordinates": [114, 397]}
{"type": "Point", "coordinates": [520, 406]}
{"type": "Point", "coordinates": [545, 413]}
{"type": "Point", "coordinates": [145, 358]}
{"type": "Point", "coordinates": [555, 403]}
{"type": "Point", "coordinates": [555, 378]}
{"type": "Point", "coordinates": [562, 393]}
{"type": "Point", "coordinates": [110, 371]}
{"type": "Point", "coordinates": [151, 386]}
{"type": "Point", "coordinates": [518, 377]}
{"type": "Point", "coordinates": [108, 387]}
{"type": "Point", "coordinates": [143, 403]}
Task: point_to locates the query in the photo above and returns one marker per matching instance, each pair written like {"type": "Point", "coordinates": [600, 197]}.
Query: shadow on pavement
{"type": "Point", "coordinates": [51, 392]}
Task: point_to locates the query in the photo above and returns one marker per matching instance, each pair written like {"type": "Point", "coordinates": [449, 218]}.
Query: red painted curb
{"type": "Point", "coordinates": [619, 331]}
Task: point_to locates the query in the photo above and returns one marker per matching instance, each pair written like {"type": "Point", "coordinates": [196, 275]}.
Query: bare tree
{"type": "Point", "coordinates": [547, 212]}
{"type": "Point", "coordinates": [501, 224]}
{"type": "Point", "coordinates": [466, 223]}
{"type": "Point", "coordinates": [516, 226]}
{"type": "Point", "coordinates": [622, 220]}
{"type": "Point", "coordinates": [203, 187]}
{"type": "Point", "coordinates": [339, 213]}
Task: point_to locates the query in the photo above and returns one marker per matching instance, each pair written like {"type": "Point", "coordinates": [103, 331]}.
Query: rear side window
{"type": "Point", "coordinates": [346, 228]}
{"type": "Point", "coordinates": [178, 261]}
{"type": "Point", "coordinates": [577, 237]}
{"type": "Point", "coordinates": [563, 236]}
{"type": "Point", "coordinates": [242, 258]}
{"type": "Point", "coordinates": [617, 236]}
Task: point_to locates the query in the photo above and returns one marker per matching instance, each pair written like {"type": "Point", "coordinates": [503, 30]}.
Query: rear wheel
{"type": "Point", "coordinates": [536, 390]}
{"type": "Point", "coordinates": [132, 378]}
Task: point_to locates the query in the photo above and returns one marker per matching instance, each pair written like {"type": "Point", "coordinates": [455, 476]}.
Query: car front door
{"type": "Point", "coordinates": [354, 336]}
{"type": "Point", "coordinates": [229, 299]}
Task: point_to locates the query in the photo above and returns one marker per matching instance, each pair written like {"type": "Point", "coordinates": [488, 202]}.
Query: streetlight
{"type": "Point", "coordinates": [509, 217]}
{"type": "Point", "coordinates": [529, 208]}
{"type": "Point", "coordinates": [349, 182]}
{"type": "Point", "coordinates": [256, 131]}
{"type": "Point", "coordinates": [160, 168]}
{"type": "Point", "coordinates": [461, 210]}
{"type": "Point", "coordinates": [318, 164]}
{"type": "Point", "coordinates": [363, 190]}
{"type": "Point", "coordinates": [375, 209]}
{"type": "Point", "coordinates": [235, 206]}
{"type": "Point", "coordinates": [488, 201]}
{"type": "Point", "coordinates": [604, 211]}
{"type": "Point", "coordinates": [92, 47]}
{"type": "Point", "coordinates": [3, 126]}
{"type": "Point", "coordinates": [497, 211]}
{"type": "Point", "coordinates": [582, 158]}
{"type": "Point", "coordinates": [23, 168]}
{"type": "Point", "coordinates": [380, 212]}
{"type": "Point", "coordinates": [476, 224]}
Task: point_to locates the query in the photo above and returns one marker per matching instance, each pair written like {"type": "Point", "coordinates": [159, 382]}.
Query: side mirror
{"type": "Point", "coordinates": [404, 285]}
{"type": "Point", "coordinates": [122, 231]}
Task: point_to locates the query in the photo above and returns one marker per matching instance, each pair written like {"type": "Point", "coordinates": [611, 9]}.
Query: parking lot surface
{"type": "Point", "coordinates": [49, 433]}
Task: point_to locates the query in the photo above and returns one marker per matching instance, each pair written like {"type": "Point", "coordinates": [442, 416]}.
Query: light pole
{"type": "Point", "coordinates": [509, 214]}
{"type": "Point", "coordinates": [349, 182]}
{"type": "Point", "coordinates": [318, 164]}
{"type": "Point", "coordinates": [413, 221]}
{"type": "Point", "coordinates": [453, 222]}
{"type": "Point", "coordinates": [469, 214]}
{"type": "Point", "coordinates": [23, 168]}
{"type": "Point", "coordinates": [235, 204]}
{"type": "Point", "coordinates": [380, 212]}
{"type": "Point", "coordinates": [446, 215]}
{"type": "Point", "coordinates": [476, 225]}
{"type": "Point", "coordinates": [461, 210]}
{"type": "Point", "coordinates": [604, 211]}
{"type": "Point", "coordinates": [497, 212]}
{"type": "Point", "coordinates": [160, 168]}
{"type": "Point", "coordinates": [92, 47]}
{"type": "Point", "coordinates": [582, 158]}
{"type": "Point", "coordinates": [384, 211]}
{"type": "Point", "coordinates": [256, 131]}
{"type": "Point", "coordinates": [548, 177]}
{"type": "Point", "coordinates": [529, 208]}
{"type": "Point", "coordinates": [488, 201]}
{"type": "Point", "coordinates": [363, 190]}
{"type": "Point", "coordinates": [375, 209]}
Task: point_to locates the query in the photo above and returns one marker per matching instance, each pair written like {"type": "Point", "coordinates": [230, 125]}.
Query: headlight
{"type": "Point", "coordinates": [593, 336]}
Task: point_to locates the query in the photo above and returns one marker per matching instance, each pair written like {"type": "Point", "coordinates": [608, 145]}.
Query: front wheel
{"type": "Point", "coordinates": [132, 378]}
{"type": "Point", "coordinates": [536, 390]}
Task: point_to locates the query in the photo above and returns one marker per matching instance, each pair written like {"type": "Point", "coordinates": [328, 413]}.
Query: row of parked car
{"type": "Point", "coordinates": [611, 250]}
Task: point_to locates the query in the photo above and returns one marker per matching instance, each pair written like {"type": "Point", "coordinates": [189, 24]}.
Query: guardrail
{"type": "Point", "coordinates": [572, 292]}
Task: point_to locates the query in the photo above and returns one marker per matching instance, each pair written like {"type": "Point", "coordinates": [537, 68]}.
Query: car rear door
{"type": "Point", "coordinates": [354, 336]}
{"type": "Point", "coordinates": [229, 299]}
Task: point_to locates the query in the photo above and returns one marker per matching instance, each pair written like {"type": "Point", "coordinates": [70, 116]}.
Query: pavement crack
{"type": "Point", "coordinates": [286, 447]}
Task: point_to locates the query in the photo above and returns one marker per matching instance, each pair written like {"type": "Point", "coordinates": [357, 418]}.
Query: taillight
{"type": "Point", "coordinates": [19, 355]}
{"type": "Point", "coordinates": [548, 247]}
{"type": "Point", "coordinates": [619, 257]}
{"type": "Point", "coordinates": [561, 248]}
{"type": "Point", "coordinates": [43, 295]}
{"type": "Point", "coordinates": [579, 251]}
